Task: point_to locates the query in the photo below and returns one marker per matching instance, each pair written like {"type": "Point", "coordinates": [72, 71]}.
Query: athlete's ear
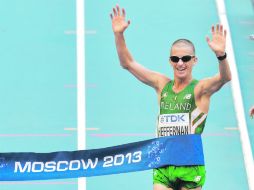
{"type": "Point", "coordinates": [195, 59]}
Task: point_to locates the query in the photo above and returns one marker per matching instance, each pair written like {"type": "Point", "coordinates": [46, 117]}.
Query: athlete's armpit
{"type": "Point", "coordinates": [209, 86]}
{"type": "Point", "coordinates": [149, 77]}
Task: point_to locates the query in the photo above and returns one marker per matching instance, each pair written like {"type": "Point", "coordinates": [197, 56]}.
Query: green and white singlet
{"type": "Point", "coordinates": [179, 115]}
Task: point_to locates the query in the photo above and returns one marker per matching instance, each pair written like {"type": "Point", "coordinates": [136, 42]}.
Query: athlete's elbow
{"type": "Point", "coordinates": [125, 64]}
{"type": "Point", "coordinates": [125, 67]}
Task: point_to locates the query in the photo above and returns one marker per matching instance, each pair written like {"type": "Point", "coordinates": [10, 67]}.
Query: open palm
{"type": "Point", "coordinates": [119, 24]}
{"type": "Point", "coordinates": [218, 41]}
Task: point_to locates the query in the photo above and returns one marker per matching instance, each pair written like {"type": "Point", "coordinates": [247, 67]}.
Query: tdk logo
{"type": "Point", "coordinates": [172, 118]}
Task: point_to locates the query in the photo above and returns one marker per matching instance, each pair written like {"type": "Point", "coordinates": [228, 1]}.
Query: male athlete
{"type": "Point", "coordinates": [182, 96]}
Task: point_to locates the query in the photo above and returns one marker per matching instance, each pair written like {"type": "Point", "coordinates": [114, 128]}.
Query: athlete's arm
{"type": "Point", "coordinates": [151, 78]}
{"type": "Point", "coordinates": [217, 44]}
{"type": "Point", "coordinates": [252, 112]}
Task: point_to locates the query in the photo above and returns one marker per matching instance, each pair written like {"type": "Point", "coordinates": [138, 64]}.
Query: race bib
{"type": "Point", "coordinates": [174, 124]}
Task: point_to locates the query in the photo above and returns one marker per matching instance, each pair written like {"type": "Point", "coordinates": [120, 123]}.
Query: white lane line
{"type": "Point", "coordinates": [107, 135]}
{"type": "Point", "coordinates": [38, 183]}
{"type": "Point", "coordinates": [151, 135]}
{"type": "Point", "coordinates": [73, 32]}
{"type": "Point", "coordinates": [35, 135]}
{"type": "Point", "coordinates": [231, 128]}
{"type": "Point", "coordinates": [237, 97]}
{"type": "Point", "coordinates": [88, 85]}
{"type": "Point", "coordinates": [91, 85]}
{"type": "Point", "coordinates": [218, 135]}
{"type": "Point", "coordinates": [93, 129]}
{"type": "Point", "coordinates": [70, 129]}
{"type": "Point", "coordinates": [70, 86]}
{"type": "Point", "coordinates": [81, 90]}
{"type": "Point", "coordinates": [247, 22]}
{"type": "Point", "coordinates": [75, 129]}
{"type": "Point", "coordinates": [70, 32]}
{"type": "Point", "coordinates": [251, 53]}
{"type": "Point", "coordinates": [91, 32]}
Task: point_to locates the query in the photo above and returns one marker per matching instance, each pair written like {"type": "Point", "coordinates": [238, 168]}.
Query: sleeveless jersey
{"type": "Point", "coordinates": [179, 114]}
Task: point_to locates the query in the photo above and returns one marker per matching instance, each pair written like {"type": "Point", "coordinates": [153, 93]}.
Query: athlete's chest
{"type": "Point", "coordinates": [172, 102]}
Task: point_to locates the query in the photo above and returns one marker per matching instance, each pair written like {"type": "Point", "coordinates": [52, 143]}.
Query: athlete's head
{"type": "Point", "coordinates": [185, 50]}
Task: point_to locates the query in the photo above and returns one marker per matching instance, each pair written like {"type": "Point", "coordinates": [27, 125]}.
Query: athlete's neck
{"type": "Point", "coordinates": [180, 84]}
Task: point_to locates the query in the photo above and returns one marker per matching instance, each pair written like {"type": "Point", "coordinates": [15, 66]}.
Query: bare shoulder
{"type": "Point", "coordinates": [208, 86]}
{"type": "Point", "coordinates": [202, 97]}
{"type": "Point", "coordinates": [199, 89]}
{"type": "Point", "coordinates": [162, 81]}
{"type": "Point", "coordinates": [147, 76]}
{"type": "Point", "coordinates": [203, 92]}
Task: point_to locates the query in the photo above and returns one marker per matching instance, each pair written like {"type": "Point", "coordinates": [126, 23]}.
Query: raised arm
{"type": "Point", "coordinates": [217, 44]}
{"type": "Point", "coordinates": [251, 112]}
{"type": "Point", "coordinates": [151, 78]}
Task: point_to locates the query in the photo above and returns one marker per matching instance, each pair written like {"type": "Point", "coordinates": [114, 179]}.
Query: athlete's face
{"type": "Point", "coordinates": [182, 68]}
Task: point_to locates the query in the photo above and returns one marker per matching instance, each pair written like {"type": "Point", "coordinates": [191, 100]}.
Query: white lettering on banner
{"type": "Point", "coordinates": [50, 167]}
{"type": "Point", "coordinates": [62, 163]}
{"type": "Point", "coordinates": [53, 166]}
{"type": "Point", "coordinates": [174, 124]}
{"type": "Point", "coordinates": [39, 168]}
{"type": "Point", "coordinates": [89, 162]}
{"type": "Point", "coordinates": [72, 165]}
{"type": "Point", "coordinates": [120, 159]}
{"type": "Point", "coordinates": [18, 166]}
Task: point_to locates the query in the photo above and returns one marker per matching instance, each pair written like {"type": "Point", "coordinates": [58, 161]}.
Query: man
{"type": "Point", "coordinates": [182, 95]}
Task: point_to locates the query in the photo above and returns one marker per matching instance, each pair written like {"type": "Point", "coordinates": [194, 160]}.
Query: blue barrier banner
{"type": "Point", "coordinates": [144, 155]}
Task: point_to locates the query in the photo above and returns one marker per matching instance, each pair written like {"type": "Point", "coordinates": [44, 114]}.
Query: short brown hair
{"type": "Point", "coordinates": [185, 41]}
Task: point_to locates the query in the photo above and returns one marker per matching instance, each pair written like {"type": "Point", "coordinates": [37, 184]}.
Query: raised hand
{"type": "Point", "coordinates": [218, 40]}
{"type": "Point", "coordinates": [119, 24]}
